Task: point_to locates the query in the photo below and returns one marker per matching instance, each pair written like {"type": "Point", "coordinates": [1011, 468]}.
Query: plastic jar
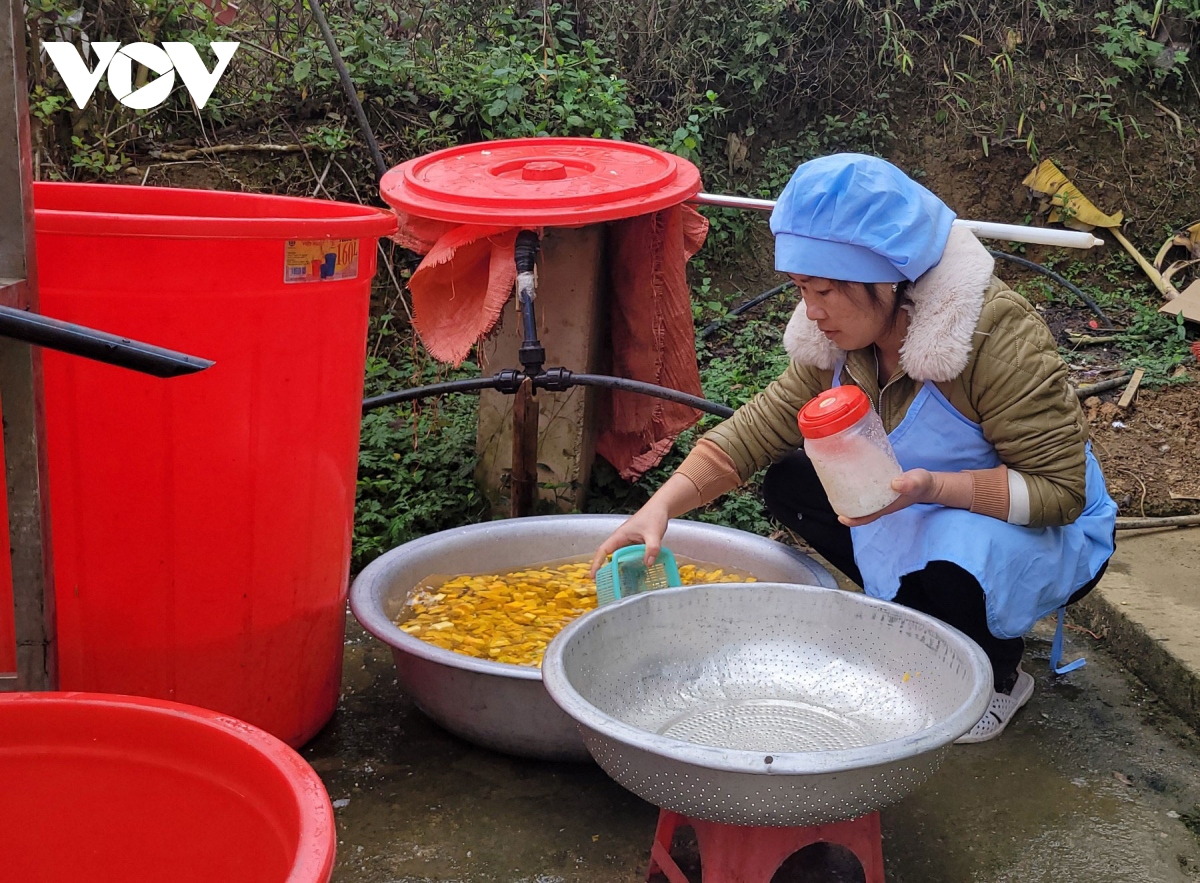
{"type": "Point", "coordinates": [844, 439]}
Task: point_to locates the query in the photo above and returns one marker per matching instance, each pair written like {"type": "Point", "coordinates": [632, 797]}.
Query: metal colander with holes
{"type": "Point", "coordinates": [766, 703]}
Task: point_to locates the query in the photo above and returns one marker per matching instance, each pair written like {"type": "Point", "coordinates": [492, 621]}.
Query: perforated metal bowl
{"type": "Point", "coordinates": [502, 706]}
{"type": "Point", "coordinates": [767, 704]}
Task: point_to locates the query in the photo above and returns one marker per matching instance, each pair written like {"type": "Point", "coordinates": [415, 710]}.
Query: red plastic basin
{"type": "Point", "coordinates": [114, 788]}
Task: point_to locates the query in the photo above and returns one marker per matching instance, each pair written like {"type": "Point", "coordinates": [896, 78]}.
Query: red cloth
{"type": "Point", "coordinates": [468, 275]}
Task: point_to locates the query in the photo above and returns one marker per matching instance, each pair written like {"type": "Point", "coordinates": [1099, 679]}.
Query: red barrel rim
{"type": "Point", "coordinates": [317, 838]}
{"type": "Point", "coordinates": [74, 209]}
{"type": "Point", "coordinates": [540, 181]}
{"type": "Point", "coordinates": [832, 411]}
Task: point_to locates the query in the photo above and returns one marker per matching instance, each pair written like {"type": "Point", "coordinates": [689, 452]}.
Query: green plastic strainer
{"type": "Point", "coordinates": [627, 574]}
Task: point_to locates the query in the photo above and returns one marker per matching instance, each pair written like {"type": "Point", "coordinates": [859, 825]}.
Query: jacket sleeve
{"type": "Point", "coordinates": [1027, 409]}
{"type": "Point", "coordinates": [764, 429]}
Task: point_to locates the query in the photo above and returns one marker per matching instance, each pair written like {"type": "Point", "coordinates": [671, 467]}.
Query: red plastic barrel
{"type": "Point", "coordinates": [201, 525]}
{"type": "Point", "coordinates": [112, 788]}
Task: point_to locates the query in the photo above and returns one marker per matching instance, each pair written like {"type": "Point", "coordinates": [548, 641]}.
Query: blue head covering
{"type": "Point", "coordinates": [857, 218]}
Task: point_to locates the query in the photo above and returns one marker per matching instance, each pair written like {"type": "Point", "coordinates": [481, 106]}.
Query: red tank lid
{"type": "Point", "coordinates": [540, 182]}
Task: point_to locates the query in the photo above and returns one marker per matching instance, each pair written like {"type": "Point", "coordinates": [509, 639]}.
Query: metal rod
{"type": "Point", "coordinates": [1032, 235]}
{"type": "Point", "coordinates": [99, 346]}
{"type": "Point", "coordinates": [982, 229]}
{"type": "Point", "coordinates": [381, 165]}
{"type": "Point", "coordinates": [745, 202]}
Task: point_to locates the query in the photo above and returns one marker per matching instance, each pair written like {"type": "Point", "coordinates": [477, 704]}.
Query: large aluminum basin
{"type": "Point", "coordinates": [506, 707]}
{"type": "Point", "coordinates": [767, 704]}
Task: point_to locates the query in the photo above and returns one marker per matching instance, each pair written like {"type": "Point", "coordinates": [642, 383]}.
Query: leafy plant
{"type": "Point", "coordinates": [416, 462]}
{"type": "Point", "coordinates": [1148, 339]}
{"type": "Point", "coordinates": [520, 76]}
{"type": "Point", "coordinates": [1155, 342]}
{"type": "Point", "coordinates": [97, 159]}
{"type": "Point", "coordinates": [1127, 39]}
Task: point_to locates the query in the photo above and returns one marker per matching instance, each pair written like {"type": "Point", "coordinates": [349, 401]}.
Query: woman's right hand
{"type": "Point", "coordinates": [646, 526]}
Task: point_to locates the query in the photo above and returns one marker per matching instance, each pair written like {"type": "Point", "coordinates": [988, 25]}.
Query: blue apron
{"type": "Point", "coordinates": [1025, 572]}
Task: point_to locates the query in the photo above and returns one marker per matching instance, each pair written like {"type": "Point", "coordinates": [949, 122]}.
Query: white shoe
{"type": "Point", "coordinates": [1001, 711]}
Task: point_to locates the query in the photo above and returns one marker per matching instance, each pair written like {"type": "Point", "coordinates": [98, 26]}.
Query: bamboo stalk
{"type": "Point", "coordinates": [1167, 521]}
{"type": "Point", "coordinates": [1103, 386]}
{"type": "Point", "coordinates": [1166, 288]}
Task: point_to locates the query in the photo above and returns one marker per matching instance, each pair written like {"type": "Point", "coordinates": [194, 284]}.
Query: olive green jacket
{"type": "Point", "coordinates": [986, 349]}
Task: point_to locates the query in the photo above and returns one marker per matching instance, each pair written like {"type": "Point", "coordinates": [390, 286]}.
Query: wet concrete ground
{"type": "Point", "coordinates": [1095, 781]}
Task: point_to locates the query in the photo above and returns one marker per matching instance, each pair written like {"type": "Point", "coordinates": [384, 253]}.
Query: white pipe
{"type": "Point", "coordinates": [1033, 235]}
{"type": "Point", "coordinates": [982, 229]}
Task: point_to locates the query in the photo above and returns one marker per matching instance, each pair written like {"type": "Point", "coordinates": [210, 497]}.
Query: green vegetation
{"type": "Point", "coordinates": [737, 86]}
{"type": "Point", "coordinates": [1129, 39]}
{"type": "Point", "coordinates": [745, 89]}
{"type": "Point", "coordinates": [416, 463]}
{"type": "Point", "coordinates": [1145, 337]}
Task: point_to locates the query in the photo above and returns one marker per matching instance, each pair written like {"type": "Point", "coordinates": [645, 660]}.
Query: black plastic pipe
{"type": "Point", "coordinates": [1066, 283]}
{"type": "Point", "coordinates": [554, 380]}
{"type": "Point", "coordinates": [741, 308]}
{"type": "Point", "coordinates": [99, 346]}
{"type": "Point", "coordinates": [381, 165]}
{"type": "Point", "coordinates": [531, 355]}
{"type": "Point", "coordinates": [470, 384]}
{"type": "Point", "coordinates": [650, 389]}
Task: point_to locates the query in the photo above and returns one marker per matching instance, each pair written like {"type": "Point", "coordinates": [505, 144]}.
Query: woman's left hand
{"type": "Point", "coordinates": [914, 486]}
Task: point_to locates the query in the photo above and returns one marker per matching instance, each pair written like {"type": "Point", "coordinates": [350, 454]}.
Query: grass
{"type": "Point", "coordinates": [1146, 338]}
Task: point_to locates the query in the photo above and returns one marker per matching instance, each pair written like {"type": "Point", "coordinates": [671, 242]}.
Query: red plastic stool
{"type": "Point", "coordinates": [740, 854]}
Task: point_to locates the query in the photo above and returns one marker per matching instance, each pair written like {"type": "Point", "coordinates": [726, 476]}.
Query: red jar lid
{"type": "Point", "coordinates": [540, 182]}
{"type": "Point", "coordinates": [833, 410]}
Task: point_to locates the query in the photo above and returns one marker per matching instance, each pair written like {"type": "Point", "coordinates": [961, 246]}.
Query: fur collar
{"type": "Point", "coordinates": [946, 304]}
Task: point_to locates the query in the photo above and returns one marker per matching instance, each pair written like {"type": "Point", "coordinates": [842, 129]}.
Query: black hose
{"type": "Point", "coordinates": [99, 346]}
{"type": "Point", "coordinates": [741, 308]}
{"type": "Point", "coordinates": [470, 384]}
{"type": "Point", "coordinates": [381, 165]}
{"type": "Point", "coordinates": [1066, 283]}
{"type": "Point", "coordinates": [556, 380]}
{"type": "Point", "coordinates": [649, 389]}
